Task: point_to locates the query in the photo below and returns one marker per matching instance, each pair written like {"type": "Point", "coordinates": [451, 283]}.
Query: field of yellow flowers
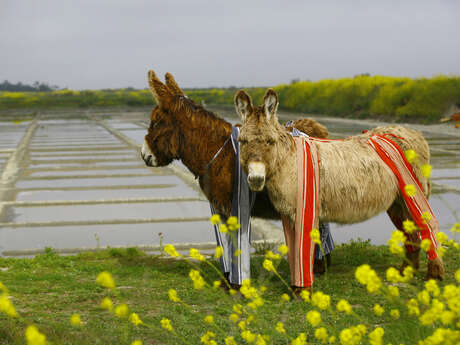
{"type": "Point", "coordinates": [126, 297]}
{"type": "Point", "coordinates": [397, 98]}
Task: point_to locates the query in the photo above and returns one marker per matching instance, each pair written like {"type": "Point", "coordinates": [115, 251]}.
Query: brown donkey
{"type": "Point", "coordinates": [355, 183]}
{"type": "Point", "coordinates": [181, 129]}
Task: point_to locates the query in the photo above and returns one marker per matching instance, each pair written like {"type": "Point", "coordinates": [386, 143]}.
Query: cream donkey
{"type": "Point", "coordinates": [355, 183]}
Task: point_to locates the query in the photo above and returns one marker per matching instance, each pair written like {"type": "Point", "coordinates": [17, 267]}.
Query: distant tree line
{"type": "Point", "coordinates": [35, 87]}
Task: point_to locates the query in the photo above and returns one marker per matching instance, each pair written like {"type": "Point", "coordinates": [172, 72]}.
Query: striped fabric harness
{"type": "Point", "coordinates": [308, 199]}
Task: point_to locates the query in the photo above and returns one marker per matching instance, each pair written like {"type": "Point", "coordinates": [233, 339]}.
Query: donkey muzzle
{"type": "Point", "coordinates": [256, 176]}
{"type": "Point", "coordinates": [148, 156]}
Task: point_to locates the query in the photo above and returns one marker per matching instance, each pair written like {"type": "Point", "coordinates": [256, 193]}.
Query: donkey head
{"type": "Point", "coordinates": [259, 137]}
{"type": "Point", "coordinates": [161, 144]}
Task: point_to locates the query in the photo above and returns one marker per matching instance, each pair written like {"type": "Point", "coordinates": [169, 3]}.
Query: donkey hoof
{"type": "Point", "coordinates": [435, 269]}
{"type": "Point", "coordinates": [297, 290]}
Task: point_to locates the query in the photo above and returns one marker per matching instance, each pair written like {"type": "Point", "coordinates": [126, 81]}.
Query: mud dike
{"type": "Point", "coordinates": [74, 181]}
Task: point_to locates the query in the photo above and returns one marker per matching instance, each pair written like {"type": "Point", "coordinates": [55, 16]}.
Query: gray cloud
{"type": "Point", "coordinates": [98, 44]}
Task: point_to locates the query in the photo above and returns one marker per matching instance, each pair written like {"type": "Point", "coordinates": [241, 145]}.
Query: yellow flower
{"type": "Point", "coordinates": [216, 284]}
{"type": "Point", "coordinates": [107, 304]}
{"type": "Point", "coordinates": [314, 318]}
{"type": "Point", "coordinates": [442, 237]}
{"type": "Point", "coordinates": [232, 220]}
{"type": "Point", "coordinates": [450, 291]}
{"type": "Point", "coordinates": [283, 249]}
{"type": "Point", "coordinates": [285, 297]}
{"type": "Point", "coordinates": [424, 297]}
{"type": "Point", "coordinates": [206, 338]}
{"type": "Point", "coordinates": [171, 251]}
{"type": "Point", "coordinates": [173, 295]}
{"type": "Point", "coordinates": [195, 254]}
{"type": "Point", "coordinates": [223, 228]}
{"type": "Point", "coordinates": [394, 313]}
{"type": "Point", "coordinates": [393, 291]}
{"type": "Point", "coordinates": [75, 320]}
{"type": "Point", "coordinates": [378, 310]}
{"type": "Point", "coordinates": [280, 328]}
{"type": "Point", "coordinates": [237, 252]}
{"type": "Point", "coordinates": [396, 241]}
{"type": "Point", "coordinates": [409, 226]}
{"type": "Point", "coordinates": [261, 339]}
{"type": "Point", "coordinates": [300, 340]}
{"type": "Point", "coordinates": [34, 337]}
{"type": "Point", "coordinates": [393, 275]}
{"type": "Point", "coordinates": [346, 337]}
{"type": "Point", "coordinates": [412, 305]}
{"type": "Point", "coordinates": [426, 244]}
{"type": "Point", "coordinates": [215, 219]}
{"type": "Point", "coordinates": [134, 319]}
{"type": "Point", "coordinates": [209, 319]}
{"type": "Point", "coordinates": [321, 334]}
{"type": "Point", "coordinates": [410, 190]}
{"type": "Point", "coordinates": [6, 306]}
{"type": "Point", "coordinates": [268, 265]}
{"type": "Point", "coordinates": [344, 306]}
{"type": "Point", "coordinates": [455, 228]}
{"type": "Point", "coordinates": [272, 256]}
{"type": "Point", "coordinates": [105, 279]}
{"type": "Point", "coordinates": [432, 286]}
{"type": "Point", "coordinates": [331, 339]}
{"type": "Point", "coordinates": [238, 308]}
{"type": "Point", "coordinates": [166, 324]}
{"type": "Point", "coordinates": [242, 325]}
{"type": "Point", "coordinates": [321, 300]}
{"type": "Point", "coordinates": [230, 341]}
{"type": "Point", "coordinates": [367, 276]}
{"type": "Point", "coordinates": [198, 281]}
{"type": "Point", "coordinates": [447, 317]}
{"type": "Point", "coordinates": [219, 252]}
{"type": "Point", "coordinates": [248, 336]}
{"type": "Point", "coordinates": [136, 342]}
{"type": "Point", "coordinates": [234, 318]}
{"type": "Point", "coordinates": [233, 224]}
{"type": "Point", "coordinates": [408, 274]}
{"type": "Point", "coordinates": [426, 170]}
{"type": "Point", "coordinates": [315, 236]}
{"type": "Point", "coordinates": [305, 295]}
{"type": "Point", "coordinates": [375, 337]}
{"type": "Point", "coordinates": [411, 155]}
{"type": "Point", "coordinates": [121, 310]}
{"type": "Point", "coordinates": [426, 216]}
{"type": "Point", "coordinates": [232, 292]}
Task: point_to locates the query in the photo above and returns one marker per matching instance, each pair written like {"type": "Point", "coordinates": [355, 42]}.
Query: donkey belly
{"type": "Point", "coordinates": [356, 188]}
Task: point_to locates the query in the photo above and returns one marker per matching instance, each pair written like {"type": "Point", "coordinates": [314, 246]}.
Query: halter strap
{"type": "Point", "coordinates": [207, 166]}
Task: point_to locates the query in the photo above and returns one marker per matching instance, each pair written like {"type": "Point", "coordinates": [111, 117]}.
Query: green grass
{"type": "Point", "coordinates": [49, 288]}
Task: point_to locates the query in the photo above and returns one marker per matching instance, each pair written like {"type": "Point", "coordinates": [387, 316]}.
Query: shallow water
{"type": "Point", "coordinates": [72, 159]}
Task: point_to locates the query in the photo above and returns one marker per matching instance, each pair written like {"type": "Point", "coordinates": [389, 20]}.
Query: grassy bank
{"type": "Point", "coordinates": [48, 289]}
{"type": "Point", "coordinates": [423, 99]}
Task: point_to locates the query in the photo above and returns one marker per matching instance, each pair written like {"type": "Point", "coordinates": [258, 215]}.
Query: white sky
{"type": "Point", "coordinates": [90, 44]}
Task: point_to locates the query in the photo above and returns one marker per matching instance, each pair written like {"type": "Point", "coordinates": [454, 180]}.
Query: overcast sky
{"type": "Point", "coordinates": [112, 43]}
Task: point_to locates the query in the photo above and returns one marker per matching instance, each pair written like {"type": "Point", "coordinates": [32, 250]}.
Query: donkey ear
{"type": "Point", "coordinates": [270, 104]}
{"type": "Point", "coordinates": [243, 104]}
{"type": "Point", "coordinates": [159, 90]}
{"type": "Point", "coordinates": [172, 85]}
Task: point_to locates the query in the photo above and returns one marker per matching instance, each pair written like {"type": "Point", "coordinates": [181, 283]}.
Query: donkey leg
{"type": "Point", "coordinates": [398, 213]}
{"type": "Point", "coordinates": [289, 237]}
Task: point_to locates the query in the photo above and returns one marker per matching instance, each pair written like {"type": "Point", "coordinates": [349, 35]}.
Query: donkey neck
{"type": "Point", "coordinates": [202, 134]}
